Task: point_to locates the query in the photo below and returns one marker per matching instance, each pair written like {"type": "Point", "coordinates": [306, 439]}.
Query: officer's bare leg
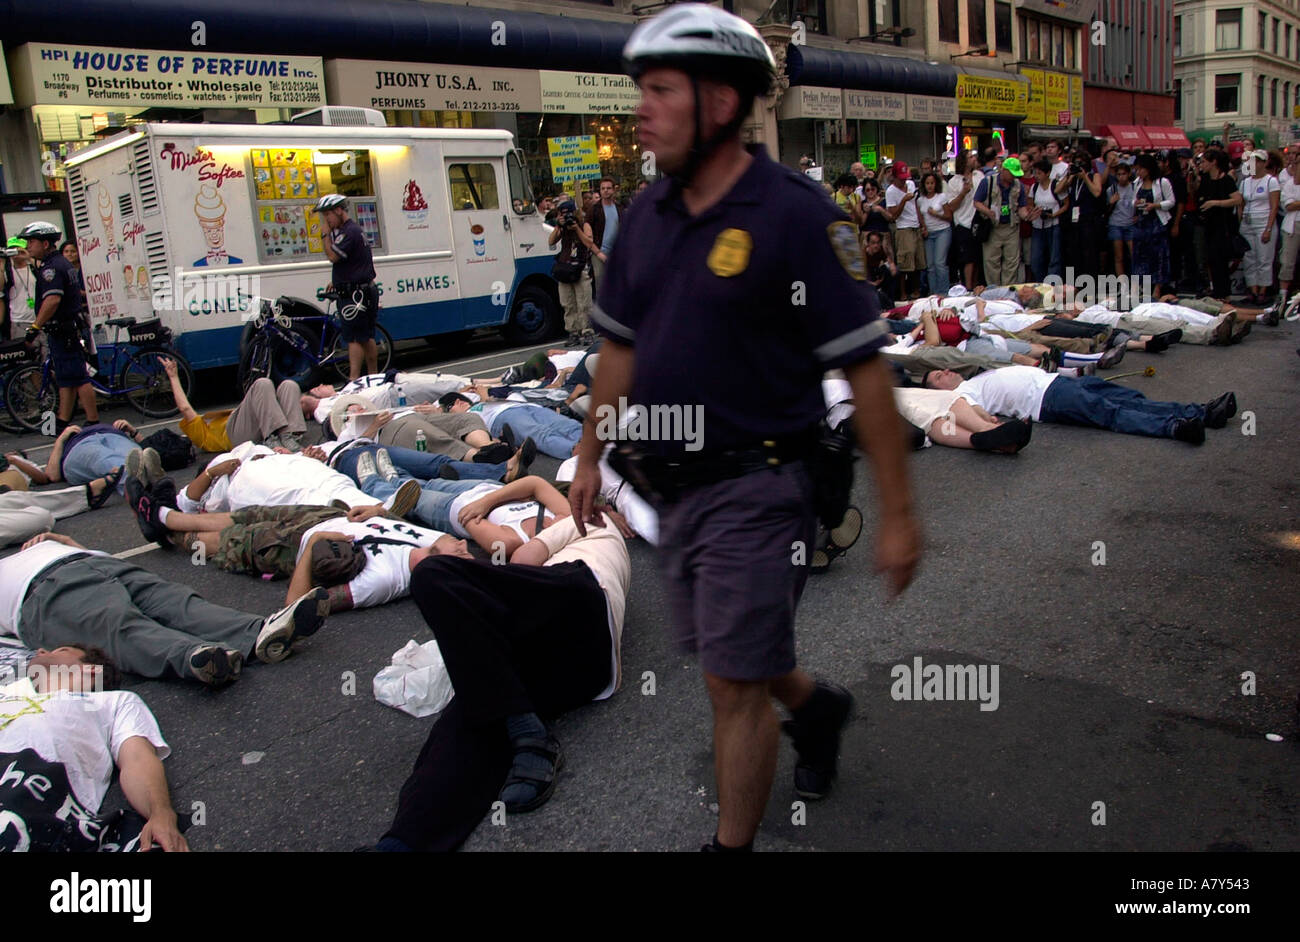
{"type": "Point", "coordinates": [794, 689]}
{"type": "Point", "coordinates": [356, 356]}
{"type": "Point", "coordinates": [371, 350]}
{"type": "Point", "coordinates": [67, 403]}
{"type": "Point", "coordinates": [745, 734]}
{"type": "Point", "coordinates": [86, 393]}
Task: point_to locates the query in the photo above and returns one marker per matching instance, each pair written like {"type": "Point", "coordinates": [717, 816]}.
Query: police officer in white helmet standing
{"type": "Point", "coordinates": [353, 277]}
{"type": "Point", "coordinates": [734, 285]}
{"type": "Point", "coordinates": [59, 314]}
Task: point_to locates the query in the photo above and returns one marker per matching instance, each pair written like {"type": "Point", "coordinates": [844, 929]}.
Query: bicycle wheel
{"type": "Point", "coordinates": [29, 395]}
{"type": "Point", "coordinates": [254, 364]}
{"type": "Point", "coordinates": [296, 361]}
{"type": "Point", "coordinates": [145, 384]}
{"type": "Point", "coordinates": [338, 353]}
{"type": "Point", "coordinates": [7, 422]}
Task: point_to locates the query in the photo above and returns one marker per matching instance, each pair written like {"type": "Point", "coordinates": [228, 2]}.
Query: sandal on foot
{"type": "Point", "coordinates": [110, 487]}
{"type": "Point", "coordinates": [549, 749]}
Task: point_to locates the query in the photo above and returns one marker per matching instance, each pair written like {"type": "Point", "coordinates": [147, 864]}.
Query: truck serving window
{"type": "Point", "coordinates": [287, 182]}
{"type": "Point", "coordinates": [473, 186]}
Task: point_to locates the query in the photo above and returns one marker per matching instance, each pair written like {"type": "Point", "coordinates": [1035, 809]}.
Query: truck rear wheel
{"type": "Point", "coordinates": [534, 317]}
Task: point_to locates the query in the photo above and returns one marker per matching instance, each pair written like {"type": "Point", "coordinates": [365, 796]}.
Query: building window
{"type": "Point", "coordinates": [977, 29]}
{"type": "Point", "coordinates": [1226, 88]}
{"type": "Point", "coordinates": [1002, 25]}
{"type": "Point", "coordinates": [812, 12]}
{"type": "Point", "coordinates": [1178, 99]}
{"type": "Point", "coordinates": [1272, 100]}
{"type": "Point", "coordinates": [948, 22]}
{"type": "Point", "coordinates": [1263, 31]}
{"type": "Point", "coordinates": [1287, 47]}
{"type": "Point", "coordinates": [1277, 28]}
{"type": "Point", "coordinates": [1069, 48]}
{"type": "Point", "coordinates": [1058, 46]}
{"type": "Point", "coordinates": [1227, 29]}
{"type": "Point", "coordinates": [1178, 35]}
{"type": "Point", "coordinates": [1259, 96]}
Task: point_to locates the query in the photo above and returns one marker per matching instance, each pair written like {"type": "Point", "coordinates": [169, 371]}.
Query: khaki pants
{"type": "Point", "coordinates": [442, 433]}
{"type": "Point", "coordinates": [1192, 333]}
{"type": "Point", "coordinates": [266, 409]}
{"type": "Point", "coordinates": [1068, 344]}
{"type": "Point", "coordinates": [576, 298]}
{"type": "Point", "coordinates": [1002, 254]}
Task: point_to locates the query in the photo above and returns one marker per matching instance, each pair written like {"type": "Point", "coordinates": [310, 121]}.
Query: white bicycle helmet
{"type": "Point", "coordinates": [330, 201]}
{"type": "Point", "coordinates": [702, 40]}
{"type": "Point", "coordinates": [41, 230]}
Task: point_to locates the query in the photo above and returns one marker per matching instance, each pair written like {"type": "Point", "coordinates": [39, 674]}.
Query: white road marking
{"type": "Point", "coordinates": [138, 551]}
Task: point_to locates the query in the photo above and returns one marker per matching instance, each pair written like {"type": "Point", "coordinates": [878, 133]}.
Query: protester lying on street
{"type": "Point", "coordinates": [24, 513]}
{"type": "Point", "coordinates": [501, 518]}
{"type": "Point", "coordinates": [80, 456]}
{"type": "Point", "coordinates": [555, 435]}
{"type": "Point", "coordinates": [1198, 320]}
{"type": "Point", "coordinates": [1027, 393]}
{"type": "Point", "coordinates": [55, 592]}
{"type": "Point", "coordinates": [67, 729]}
{"type": "Point", "coordinates": [523, 644]}
{"type": "Point", "coordinates": [642, 518]}
{"type": "Point", "coordinates": [382, 391]}
{"type": "Point", "coordinates": [462, 437]}
{"type": "Point", "coordinates": [268, 415]}
{"type": "Point", "coordinates": [252, 476]}
{"type": "Point", "coordinates": [423, 465]}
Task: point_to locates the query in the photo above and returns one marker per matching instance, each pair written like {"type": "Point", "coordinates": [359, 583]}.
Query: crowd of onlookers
{"type": "Point", "coordinates": [1211, 220]}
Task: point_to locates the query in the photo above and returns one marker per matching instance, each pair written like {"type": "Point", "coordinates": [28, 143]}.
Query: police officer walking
{"type": "Point", "coordinates": [59, 314]}
{"type": "Point", "coordinates": [734, 285]}
{"type": "Point", "coordinates": [354, 278]}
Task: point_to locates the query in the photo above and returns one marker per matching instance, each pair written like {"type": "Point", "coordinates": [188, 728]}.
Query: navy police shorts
{"type": "Point", "coordinates": [359, 312]}
{"type": "Point", "coordinates": [69, 363]}
{"type": "Point", "coordinates": [735, 558]}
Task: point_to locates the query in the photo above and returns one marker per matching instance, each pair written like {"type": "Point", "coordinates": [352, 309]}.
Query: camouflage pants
{"type": "Point", "coordinates": [266, 539]}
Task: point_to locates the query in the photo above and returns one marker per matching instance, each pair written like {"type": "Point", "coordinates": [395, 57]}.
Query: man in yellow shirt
{"type": "Point", "coordinates": [848, 200]}
{"type": "Point", "coordinates": [269, 415]}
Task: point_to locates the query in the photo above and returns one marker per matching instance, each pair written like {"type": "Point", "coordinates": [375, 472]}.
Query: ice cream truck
{"type": "Point", "coordinates": [194, 223]}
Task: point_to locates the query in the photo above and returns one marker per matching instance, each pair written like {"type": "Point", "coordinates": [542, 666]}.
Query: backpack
{"type": "Point", "coordinates": [176, 451]}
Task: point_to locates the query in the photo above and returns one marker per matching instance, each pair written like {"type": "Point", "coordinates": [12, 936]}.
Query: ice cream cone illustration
{"type": "Point", "coordinates": [210, 209]}
{"type": "Point", "coordinates": [106, 216]}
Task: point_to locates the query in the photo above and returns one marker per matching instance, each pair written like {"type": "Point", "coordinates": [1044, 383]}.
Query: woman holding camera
{"type": "Point", "coordinates": [572, 271]}
{"type": "Point", "coordinates": [1152, 207]}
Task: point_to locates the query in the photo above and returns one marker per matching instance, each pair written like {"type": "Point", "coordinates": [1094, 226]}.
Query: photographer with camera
{"type": "Point", "coordinates": [572, 271]}
{"type": "Point", "coordinates": [1080, 238]}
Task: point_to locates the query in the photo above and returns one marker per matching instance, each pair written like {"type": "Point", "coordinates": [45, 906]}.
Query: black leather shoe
{"type": "Point", "coordinates": [816, 729]}
{"type": "Point", "coordinates": [1219, 411]}
{"type": "Point", "coordinates": [1191, 431]}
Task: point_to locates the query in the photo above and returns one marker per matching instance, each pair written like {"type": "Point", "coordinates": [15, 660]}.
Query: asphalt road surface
{"type": "Point", "coordinates": [1121, 722]}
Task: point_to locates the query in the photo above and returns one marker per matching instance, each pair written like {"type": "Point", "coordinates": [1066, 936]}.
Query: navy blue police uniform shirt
{"type": "Point", "coordinates": [357, 264]}
{"type": "Point", "coordinates": [57, 278]}
{"type": "Point", "coordinates": [742, 308]}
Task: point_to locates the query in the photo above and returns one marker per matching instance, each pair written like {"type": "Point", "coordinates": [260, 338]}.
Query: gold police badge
{"type": "Point", "coordinates": [730, 253]}
{"type": "Point", "coordinates": [844, 240]}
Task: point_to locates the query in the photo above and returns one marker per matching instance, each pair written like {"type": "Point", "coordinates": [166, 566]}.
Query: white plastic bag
{"type": "Point", "coordinates": [416, 682]}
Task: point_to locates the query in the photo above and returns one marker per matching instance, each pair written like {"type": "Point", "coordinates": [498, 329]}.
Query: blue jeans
{"type": "Point", "coordinates": [1096, 403]}
{"type": "Point", "coordinates": [936, 255]}
{"type": "Point", "coordinates": [419, 464]}
{"type": "Point", "coordinates": [1045, 252]}
{"type": "Point", "coordinates": [95, 456]}
{"type": "Point", "coordinates": [554, 434]}
{"type": "Point", "coordinates": [433, 509]}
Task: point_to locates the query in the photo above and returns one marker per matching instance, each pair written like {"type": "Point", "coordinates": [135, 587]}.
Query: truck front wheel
{"type": "Point", "coordinates": [534, 317]}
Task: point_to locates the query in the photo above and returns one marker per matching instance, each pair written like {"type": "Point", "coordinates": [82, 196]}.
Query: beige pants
{"type": "Point", "coordinates": [576, 298]}
{"type": "Point", "coordinates": [1002, 254]}
{"type": "Point", "coordinates": [442, 433]}
{"type": "Point", "coordinates": [266, 409]}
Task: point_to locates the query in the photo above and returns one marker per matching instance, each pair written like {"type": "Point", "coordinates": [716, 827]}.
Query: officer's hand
{"type": "Point", "coordinates": [898, 550]}
{"type": "Point", "coordinates": [582, 496]}
{"type": "Point", "coordinates": [31, 335]}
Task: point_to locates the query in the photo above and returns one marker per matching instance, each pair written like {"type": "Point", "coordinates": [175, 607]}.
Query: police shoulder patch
{"type": "Point", "coordinates": [844, 240]}
{"type": "Point", "coordinates": [48, 274]}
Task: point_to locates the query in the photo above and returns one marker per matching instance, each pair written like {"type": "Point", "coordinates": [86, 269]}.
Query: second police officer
{"type": "Point", "coordinates": [353, 277]}
{"type": "Point", "coordinates": [734, 286]}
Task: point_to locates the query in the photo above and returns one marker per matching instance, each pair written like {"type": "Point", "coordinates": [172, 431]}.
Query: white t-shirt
{"type": "Point", "coordinates": [1011, 323]}
{"type": "Point", "coordinates": [387, 575]}
{"type": "Point", "coordinates": [936, 202]}
{"type": "Point", "coordinates": [605, 553]}
{"type": "Point", "coordinates": [1016, 391]}
{"type": "Point", "coordinates": [506, 515]}
{"type": "Point", "coordinates": [1290, 194]}
{"type": "Point", "coordinates": [907, 219]}
{"type": "Point", "coordinates": [963, 213]}
{"type": "Point", "coordinates": [1255, 193]}
{"type": "Point", "coordinates": [82, 731]}
{"type": "Point", "coordinates": [567, 359]}
{"type": "Point", "coordinates": [1059, 169]}
{"type": "Point", "coordinates": [278, 480]}
{"type": "Point", "coordinates": [18, 571]}
{"type": "Point", "coordinates": [23, 290]}
{"type": "Point", "coordinates": [1045, 200]}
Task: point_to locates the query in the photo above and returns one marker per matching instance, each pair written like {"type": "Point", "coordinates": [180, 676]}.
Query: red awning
{"type": "Point", "coordinates": [1167, 138]}
{"type": "Point", "coordinates": [1127, 136]}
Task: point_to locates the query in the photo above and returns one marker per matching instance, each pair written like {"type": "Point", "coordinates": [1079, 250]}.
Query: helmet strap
{"type": "Point", "coordinates": [700, 149]}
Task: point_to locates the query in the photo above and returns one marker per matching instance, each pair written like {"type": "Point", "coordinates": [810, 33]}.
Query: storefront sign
{"type": "Point", "coordinates": [46, 74]}
{"type": "Point", "coordinates": [979, 95]}
{"type": "Point", "coordinates": [6, 95]}
{"type": "Point", "coordinates": [410, 86]}
{"type": "Point", "coordinates": [588, 93]}
{"type": "Point", "coordinates": [808, 101]}
{"type": "Point", "coordinates": [1036, 105]}
{"type": "Point", "coordinates": [573, 158]}
{"type": "Point", "coordinates": [874, 106]}
{"type": "Point", "coordinates": [931, 109]}
{"type": "Point", "coordinates": [1076, 99]}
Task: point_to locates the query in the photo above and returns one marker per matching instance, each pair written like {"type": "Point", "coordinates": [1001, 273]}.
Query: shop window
{"type": "Point", "coordinates": [1227, 29]}
{"type": "Point", "coordinates": [473, 186]}
{"type": "Point", "coordinates": [288, 182]}
{"type": "Point", "coordinates": [811, 12]}
{"type": "Point", "coordinates": [948, 30]}
{"type": "Point", "coordinates": [1178, 36]}
{"type": "Point", "coordinates": [521, 195]}
{"type": "Point", "coordinates": [1002, 25]}
{"type": "Point", "coordinates": [977, 30]}
{"type": "Point", "coordinates": [1226, 93]}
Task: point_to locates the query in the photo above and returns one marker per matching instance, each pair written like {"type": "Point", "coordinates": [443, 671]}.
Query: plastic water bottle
{"type": "Point", "coordinates": [401, 396]}
{"type": "Point", "coordinates": [420, 443]}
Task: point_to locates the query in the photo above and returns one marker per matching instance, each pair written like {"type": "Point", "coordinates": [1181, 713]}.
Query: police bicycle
{"type": "Point", "coordinates": [290, 338]}
{"type": "Point", "coordinates": [132, 369]}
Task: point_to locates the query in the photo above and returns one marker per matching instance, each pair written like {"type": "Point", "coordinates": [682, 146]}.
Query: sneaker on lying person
{"type": "Point", "coordinates": [298, 620]}
{"type": "Point", "coordinates": [384, 465]}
